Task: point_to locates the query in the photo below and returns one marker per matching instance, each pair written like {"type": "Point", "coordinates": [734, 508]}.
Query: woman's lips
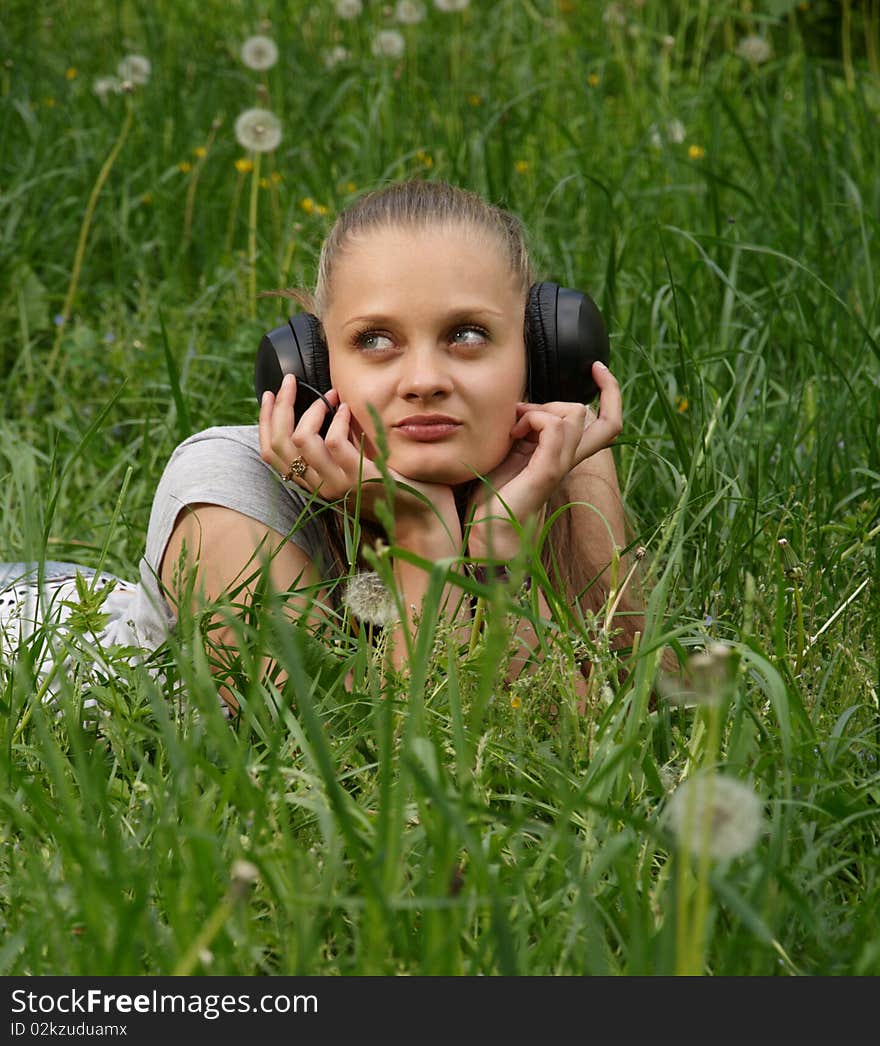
{"type": "Point", "coordinates": [427, 430]}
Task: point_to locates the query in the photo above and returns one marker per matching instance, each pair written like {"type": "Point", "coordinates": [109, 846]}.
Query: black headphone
{"type": "Point", "coordinates": [564, 336]}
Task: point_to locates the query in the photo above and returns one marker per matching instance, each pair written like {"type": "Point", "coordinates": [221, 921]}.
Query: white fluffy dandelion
{"type": "Point", "coordinates": [672, 131]}
{"type": "Point", "coordinates": [388, 43]}
{"type": "Point", "coordinates": [105, 85]}
{"type": "Point", "coordinates": [719, 813]}
{"type": "Point", "coordinates": [348, 9]}
{"type": "Point", "coordinates": [335, 55]}
{"type": "Point", "coordinates": [258, 130]}
{"type": "Point", "coordinates": [134, 68]}
{"type": "Point", "coordinates": [369, 600]}
{"type": "Point", "coordinates": [259, 53]}
{"type": "Point", "coordinates": [707, 678]}
{"type": "Point", "coordinates": [754, 49]}
{"type": "Point", "coordinates": [451, 5]}
{"type": "Point", "coordinates": [409, 12]}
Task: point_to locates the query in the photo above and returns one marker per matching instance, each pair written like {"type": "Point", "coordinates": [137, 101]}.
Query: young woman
{"type": "Point", "coordinates": [421, 296]}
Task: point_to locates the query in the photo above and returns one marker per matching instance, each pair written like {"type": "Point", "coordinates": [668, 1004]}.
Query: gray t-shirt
{"type": "Point", "coordinates": [219, 466]}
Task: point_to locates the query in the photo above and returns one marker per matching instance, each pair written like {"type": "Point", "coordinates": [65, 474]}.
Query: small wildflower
{"type": "Point", "coordinates": [516, 702]}
{"type": "Point", "coordinates": [369, 600]}
{"type": "Point", "coordinates": [59, 320]}
{"type": "Point", "coordinates": [593, 80]}
{"type": "Point", "coordinates": [335, 56]}
{"type": "Point", "coordinates": [682, 404]}
{"type": "Point", "coordinates": [105, 85]}
{"type": "Point", "coordinates": [136, 68]}
{"type": "Point", "coordinates": [264, 183]}
{"type": "Point", "coordinates": [243, 165]}
{"type": "Point", "coordinates": [200, 152]}
{"type": "Point", "coordinates": [259, 53]}
{"type": "Point", "coordinates": [614, 14]}
{"type": "Point", "coordinates": [276, 177]}
{"type": "Point", "coordinates": [388, 43]}
{"type": "Point", "coordinates": [184, 167]}
{"type": "Point", "coordinates": [521, 166]}
{"type": "Point", "coordinates": [258, 130]}
{"type": "Point", "coordinates": [49, 103]}
{"type": "Point", "coordinates": [70, 74]}
{"type": "Point", "coordinates": [409, 12]}
{"type": "Point", "coordinates": [350, 187]}
{"type": "Point", "coordinates": [696, 152]}
{"type": "Point", "coordinates": [716, 812]}
{"type": "Point", "coordinates": [320, 208]}
{"type": "Point", "coordinates": [672, 131]}
{"type": "Point", "coordinates": [668, 42]}
{"type": "Point", "coordinates": [451, 5]}
{"type": "Point", "coordinates": [474, 99]}
{"type": "Point", "coordinates": [754, 49]}
{"type": "Point", "coordinates": [147, 198]}
{"type": "Point", "coordinates": [425, 158]}
{"type": "Point", "coordinates": [348, 9]}
{"type": "Point", "coordinates": [307, 204]}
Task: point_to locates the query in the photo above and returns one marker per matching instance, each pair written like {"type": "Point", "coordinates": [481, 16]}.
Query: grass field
{"type": "Point", "coordinates": [720, 200]}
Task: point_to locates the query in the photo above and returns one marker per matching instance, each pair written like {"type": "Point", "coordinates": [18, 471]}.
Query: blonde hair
{"type": "Point", "coordinates": [579, 548]}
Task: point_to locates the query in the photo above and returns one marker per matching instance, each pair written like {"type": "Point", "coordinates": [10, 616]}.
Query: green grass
{"type": "Point", "coordinates": [441, 823]}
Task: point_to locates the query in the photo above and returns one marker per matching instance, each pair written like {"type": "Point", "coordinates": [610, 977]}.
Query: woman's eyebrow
{"type": "Point", "coordinates": [454, 315]}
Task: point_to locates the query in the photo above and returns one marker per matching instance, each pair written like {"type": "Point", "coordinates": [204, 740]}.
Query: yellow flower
{"type": "Point", "coordinates": [71, 73]}
{"type": "Point", "coordinates": [425, 158]}
{"type": "Point", "coordinates": [696, 152]}
{"type": "Point", "coordinates": [320, 208]}
{"type": "Point", "coordinates": [185, 167]}
{"type": "Point", "coordinates": [593, 80]}
{"type": "Point", "coordinates": [681, 404]}
{"type": "Point", "coordinates": [515, 702]}
{"type": "Point", "coordinates": [264, 183]}
{"type": "Point", "coordinates": [200, 151]}
{"type": "Point", "coordinates": [276, 177]}
{"type": "Point", "coordinates": [521, 166]}
{"type": "Point", "coordinates": [147, 198]}
{"type": "Point", "coordinates": [474, 99]}
{"type": "Point", "coordinates": [350, 187]}
{"type": "Point", "coordinates": [243, 165]}
{"type": "Point", "coordinates": [307, 204]}
{"type": "Point", "coordinates": [49, 103]}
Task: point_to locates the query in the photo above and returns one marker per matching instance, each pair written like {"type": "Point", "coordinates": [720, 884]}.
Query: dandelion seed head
{"type": "Point", "coordinates": [409, 12]}
{"type": "Point", "coordinates": [135, 68]}
{"type": "Point", "coordinates": [259, 53]}
{"type": "Point", "coordinates": [614, 14]}
{"type": "Point", "coordinates": [388, 43]}
{"type": "Point", "coordinates": [706, 679]}
{"type": "Point", "coordinates": [106, 85]}
{"type": "Point", "coordinates": [754, 49]}
{"type": "Point", "coordinates": [451, 5]}
{"type": "Point", "coordinates": [258, 130]}
{"type": "Point", "coordinates": [369, 600]}
{"type": "Point", "coordinates": [335, 56]}
{"type": "Point", "coordinates": [716, 812]}
{"type": "Point", "coordinates": [244, 872]}
{"type": "Point", "coordinates": [348, 9]}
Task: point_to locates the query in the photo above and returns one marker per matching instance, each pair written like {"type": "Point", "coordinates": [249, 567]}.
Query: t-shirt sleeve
{"type": "Point", "coordinates": [222, 466]}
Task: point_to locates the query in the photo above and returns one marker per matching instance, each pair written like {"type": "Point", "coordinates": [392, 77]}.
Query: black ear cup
{"type": "Point", "coordinates": [565, 335]}
{"type": "Point", "coordinates": [297, 348]}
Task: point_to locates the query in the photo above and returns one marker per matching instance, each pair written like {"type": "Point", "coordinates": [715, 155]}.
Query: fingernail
{"type": "Point", "coordinates": [599, 363]}
{"type": "Point", "coordinates": [265, 397]}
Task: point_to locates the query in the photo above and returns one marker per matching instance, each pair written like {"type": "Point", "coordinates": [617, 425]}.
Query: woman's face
{"type": "Point", "coordinates": [426, 326]}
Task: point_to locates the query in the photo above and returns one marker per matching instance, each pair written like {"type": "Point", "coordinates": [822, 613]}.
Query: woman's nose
{"type": "Point", "coordinates": [424, 374]}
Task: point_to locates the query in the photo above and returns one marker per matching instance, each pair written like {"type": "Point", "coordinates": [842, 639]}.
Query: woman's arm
{"type": "Point", "coordinates": [213, 551]}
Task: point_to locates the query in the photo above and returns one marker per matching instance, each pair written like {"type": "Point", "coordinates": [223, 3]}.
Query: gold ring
{"type": "Point", "coordinates": [297, 468]}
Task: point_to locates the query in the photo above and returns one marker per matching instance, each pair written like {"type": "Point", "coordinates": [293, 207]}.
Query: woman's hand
{"type": "Point", "coordinates": [550, 440]}
{"type": "Point", "coordinates": [334, 465]}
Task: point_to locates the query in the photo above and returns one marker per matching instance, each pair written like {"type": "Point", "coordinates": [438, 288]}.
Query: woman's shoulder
{"type": "Point", "coordinates": [219, 438]}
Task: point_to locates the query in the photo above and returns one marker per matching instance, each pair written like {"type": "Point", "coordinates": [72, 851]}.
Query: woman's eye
{"type": "Point", "coordinates": [469, 335]}
{"type": "Point", "coordinates": [373, 341]}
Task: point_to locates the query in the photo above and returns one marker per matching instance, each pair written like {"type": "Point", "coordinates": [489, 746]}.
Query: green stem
{"type": "Point", "coordinates": [84, 232]}
{"type": "Point", "coordinates": [252, 239]}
